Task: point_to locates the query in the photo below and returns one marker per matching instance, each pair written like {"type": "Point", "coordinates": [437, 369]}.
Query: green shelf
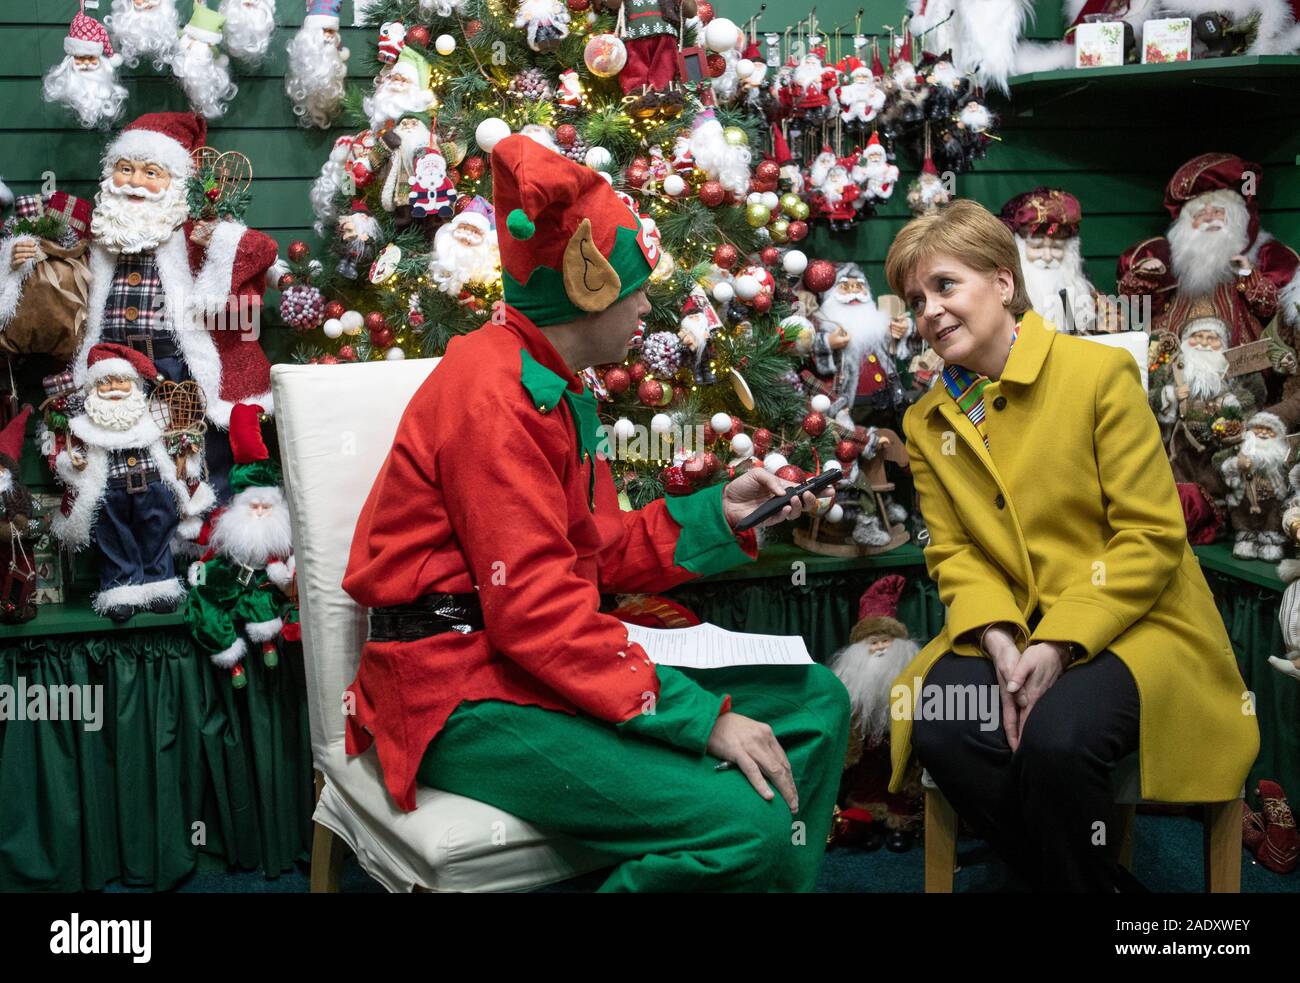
{"type": "Point", "coordinates": [1218, 557]}
{"type": "Point", "coordinates": [77, 618]}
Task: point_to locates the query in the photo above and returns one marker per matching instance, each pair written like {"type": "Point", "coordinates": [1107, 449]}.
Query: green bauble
{"type": "Point", "coordinates": [780, 230]}
{"type": "Point", "coordinates": [757, 215]}
{"type": "Point", "coordinates": [735, 136]}
{"type": "Point", "coordinates": [790, 201]}
{"type": "Point", "coordinates": [800, 211]}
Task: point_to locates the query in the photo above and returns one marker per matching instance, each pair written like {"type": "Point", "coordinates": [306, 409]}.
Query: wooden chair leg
{"type": "Point", "coordinates": [1223, 847]}
{"type": "Point", "coordinates": [940, 842]}
{"type": "Point", "coordinates": [327, 853]}
{"type": "Point", "coordinates": [1127, 822]}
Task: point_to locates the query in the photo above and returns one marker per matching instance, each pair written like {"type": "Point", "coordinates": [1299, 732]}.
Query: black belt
{"type": "Point", "coordinates": [136, 482]}
{"type": "Point", "coordinates": [432, 614]}
{"type": "Point", "coordinates": [155, 344]}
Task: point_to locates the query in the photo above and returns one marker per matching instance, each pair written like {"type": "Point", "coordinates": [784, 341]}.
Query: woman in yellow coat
{"type": "Point", "coordinates": [1079, 625]}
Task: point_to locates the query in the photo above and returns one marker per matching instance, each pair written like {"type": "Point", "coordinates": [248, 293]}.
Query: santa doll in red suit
{"type": "Point", "coordinates": [187, 295]}
{"type": "Point", "coordinates": [484, 587]}
{"type": "Point", "coordinates": [1215, 261]}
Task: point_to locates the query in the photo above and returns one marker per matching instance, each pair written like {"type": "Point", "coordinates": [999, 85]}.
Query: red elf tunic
{"type": "Point", "coordinates": [485, 488]}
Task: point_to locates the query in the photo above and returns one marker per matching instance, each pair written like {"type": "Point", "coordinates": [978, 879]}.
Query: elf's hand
{"type": "Point", "coordinates": [751, 746]}
{"type": "Point", "coordinates": [747, 492]}
{"type": "Point", "coordinates": [1040, 665]}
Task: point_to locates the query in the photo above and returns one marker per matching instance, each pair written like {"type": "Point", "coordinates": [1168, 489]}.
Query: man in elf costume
{"type": "Point", "coordinates": [185, 294]}
{"type": "Point", "coordinates": [242, 587]}
{"type": "Point", "coordinates": [482, 551]}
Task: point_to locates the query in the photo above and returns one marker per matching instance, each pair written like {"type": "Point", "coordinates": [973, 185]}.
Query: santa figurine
{"type": "Point", "coordinates": [242, 590]}
{"type": "Point", "coordinates": [392, 39]}
{"type": "Point", "coordinates": [874, 173]}
{"type": "Point", "coordinates": [699, 321]}
{"type": "Point", "coordinates": [1045, 224]}
{"type": "Point", "coordinates": [927, 193]}
{"type": "Point", "coordinates": [186, 294]}
{"type": "Point", "coordinates": [545, 23]}
{"type": "Point", "coordinates": [465, 252]}
{"type": "Point", "coordinates": [1256, 477]}
{"type": "Point", "coordinates": [85, 81]}
{"type": "Point", "coordinates": [249, 26]}
{"type": "Point", "coordinates": [1198, 404]}
{"type": "Point", "coordinates": [400, 91]}
{"type": "Point", "coordinates": [394, 159]}
{"type": "Point", "coordinates": [316, 76]}
{"type": "Point", "coordinates": [432, 193]}
{"type": "Point", "coordinates": [144, 29]}
{"type": "Point", "coordinates": [569, 94]}
{"type": "Point", "coordinates": [333, 178]}
{"type": "Point", "coordinates": [834, 193]}
{"type": "Point", "coordinates": [811, 97]}
{"type": "Point", "coordinates": [200, 65]}
{"type": "Point", "coordinates": [653, 27]}
{"type": "Point", "coordinates": [361, 236]}
{"type": "Point", "coordinates": [17, 573]}
{"type": "Point", "coordinates": [860, 98]}
{"type": "Point", "coordinates": [879, 649]}
{"type": "Point", "coordinates": [1215, 261]}
{"type": "Point", "coordinates": [124, 493]}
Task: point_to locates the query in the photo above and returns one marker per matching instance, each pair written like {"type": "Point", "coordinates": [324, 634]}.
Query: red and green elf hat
{"type": "Point", "coordinates": [569, 247]}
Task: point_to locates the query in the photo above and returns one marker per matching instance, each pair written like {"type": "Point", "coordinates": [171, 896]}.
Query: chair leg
{"type": "Point", "coordinates": [1127, 822]}
{"type": "Point", "coordinates": [940, 842]}
{"type": "Point", "coordinates": [1223, 847]}
{"type": "Point", "coordinates": [327, 852]}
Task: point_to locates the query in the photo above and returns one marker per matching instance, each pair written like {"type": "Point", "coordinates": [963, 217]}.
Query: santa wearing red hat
{"type": "Point", "coordinates": [187, 295]}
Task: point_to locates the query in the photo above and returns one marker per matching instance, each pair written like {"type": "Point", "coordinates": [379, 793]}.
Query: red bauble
{"type": "Point", "coordinates": [762, 303]}
{"type": "Point", "coordinates": [578, 6]}
{"type": "Point", "coordinates": [737, 426]}
{"type": "Point", "coordinates": [675, 481]}
{"type": "Point", "coordinates": [711, 463]}
{"type": "Point", "coordinates": [473, 167]}
{"type": "Point", "coordinates": [770, 256]}
{"type": "Point", "coordinates": [847, 451]}
{"type": "Point", "coordinates": [704, 11]}
{"type": "Point", "coordinates": [650, 392]}
{"type": "Point", "coordinates": [565, 134]}
{"type": "Point", "coordinates": [726, 256]}
{"type": "Point", "coordinates": [472, 27]}
{"type": "Point", "coordinates": [709, 434]}
{"type": "Point", "coordinates": [617, 380]}
{"type": "Point", "coordinates": [415, 319]}
{"type": "Point", "coordinates": [767, 170]}
{"type": "Point", "coordinates": [334, 309]}
{"type": "Point", "coordinates": [285, 281]}
{"type": "Point", "coordinates": [798, 230]}
{"type": "Point", "coordinates": [418, 36]}
{"type": "Point", "coordinates": [791, 472]}
{"type": "Point", "coordinates": [637, 371]}
{"type": "Point", "coordinates": [639, 161]}
{"type": "Point", "coordinates": [636, 175]}
{"type": "Point", "coordinates": [717, 65]}
{"type": "Point", "coordinates": [347, 353]}
{"type": "Point", "coordinates": [329, 360]}
{"type": "Point", "coordinates": [383, 338]}
{"type": "Point", "coordinates": [212, 194]}
{"type": "Point", "coordinates": [814, 424]}
{"type": "Point", "coordinates": [298, 250]}
{"type": "Point", "coordinates": [375, 322]}
{"type": "Point", "coordinates": [819, 276]}
{"type": "Point", "coordinates": [712, 194]}
{"type": "Point", "coordinates": [762, 441]}
{"type": "Point", "coordinates": [679, 392]}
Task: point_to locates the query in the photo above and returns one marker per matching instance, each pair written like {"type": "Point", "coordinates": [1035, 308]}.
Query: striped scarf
{"type": "Point", "coordinates": [967, 390]}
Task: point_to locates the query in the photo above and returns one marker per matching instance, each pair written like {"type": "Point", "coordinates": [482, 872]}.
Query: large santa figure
{"type": "Point", "coordinates": [1045, 224]}
{"type": "Point", "coordinates": [85, 81]}
{"type": "Point", "coordinates": [399, 90]}
{"type": "Point", "coordinates": [316, 77]}
{"type": "Point", "coordinates": [1256, 477]}
{"type": "Point", "coordinates": [188, 295]}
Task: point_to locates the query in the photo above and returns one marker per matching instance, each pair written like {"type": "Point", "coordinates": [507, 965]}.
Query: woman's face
{"type": "Point", "coordinates": [958, 310]}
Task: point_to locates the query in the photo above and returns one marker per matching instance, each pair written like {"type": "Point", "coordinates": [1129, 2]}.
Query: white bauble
{"type": "Point", "coordinates": [491, 132]}
{"type": "Point", "coordinates": [720, 422]}
{"type": "Point", "coordinates": [674, 185]}
{"type": "Point", "coordinates": [743, 68]}
{"type": "Point", "coordinates": [394, 354]}
{"type": "Point", "coordinates": [661, 423]}
{"type": "Point", "coordinates": [723, 292]}
{"type": "Point", "coordinates": [832, 465]}
{"type": "Point", "coordinates": [624, 428]}
{"type": "Point", "coordinates": [835, 514]}
{"type": "Point", "coordinates": [445, 44]}
{"type": "Point", "coordinates": [775, 461]}
{"type": "Point", "coordinates": [598, 158]}
{"type": "Point", "coordinates": [333, 328]}
{"type": "Point", "coordinates": [352, 322]}
{"type": "Point", "coordinates": [754, 198]}
{"type": "Point", "coordinates": [721, 35]}
{"type": "Point", "coordinates": [770, 199]}
{"type": "Point", "coordinates": [795, 262]}
{"type": "Point", "coordinates": [821, 403]}
{"type": "Point", "coordinates": [742, 445]}
{"type": "Point", "coordinates": [747, 287]}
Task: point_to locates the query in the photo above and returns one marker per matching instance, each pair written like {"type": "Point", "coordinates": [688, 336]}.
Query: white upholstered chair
{"type": "Point", "coordinates": [335, 425]}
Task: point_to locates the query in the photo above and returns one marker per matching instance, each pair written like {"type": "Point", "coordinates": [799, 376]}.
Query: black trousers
{"type": "Point", "coordinates": [1047, 808]}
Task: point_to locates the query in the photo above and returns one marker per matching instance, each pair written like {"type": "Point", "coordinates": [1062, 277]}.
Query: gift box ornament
{"type": "Point", "coordinates": [1099, 44]}
{"type": "Point", "coordinates": [1167, 40]}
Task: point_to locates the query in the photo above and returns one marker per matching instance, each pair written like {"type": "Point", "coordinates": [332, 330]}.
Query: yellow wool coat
{"type": "Point", "coordinates": [1072, 510]}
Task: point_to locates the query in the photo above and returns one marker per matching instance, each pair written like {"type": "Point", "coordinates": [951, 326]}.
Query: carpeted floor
{"type": "Point", "coordinates": [1167, 858]}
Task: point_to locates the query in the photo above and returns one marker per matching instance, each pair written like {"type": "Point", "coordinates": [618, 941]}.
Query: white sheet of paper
{"type": "Point", "coordinates": [707, 646]}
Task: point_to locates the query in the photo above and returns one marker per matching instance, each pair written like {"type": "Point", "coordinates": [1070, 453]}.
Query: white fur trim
{"type": "Point", "coordinates": [1289, 570]}
{"type": "Point", "coordinates": [82, 47]}
{"type": "Point", "coordinates": [1288, 301]}
{"type": "Point", "coordinates": [321, 21]}
{"type": "Point", "coordinates": [137, 595]}
{"type": "Point", "coordinates": [207, 37]}
{"type": "Point", "coordinates": [11, 281]}
{"type": "Point", "coordinates": [73, 529]}
{"type": "Point", "coordinates": [119, 367]}
{"type": "Point", "coordinates": [274, 272]}
{"type": "Point", "coordinates": [1037, 56]}
{"type": "Point", "coordinates": [201, 500]}
{"type": "Point", "coordinates": [1264, 418]}
{"type": "Point", "coordinates": [194, 574]}
{"type": "Point", "coordinates": [281, 573]}
{"type": "Point", "coordinates": [152, 146]}
{"type": "Point", "coordinates": [6, 480]}
{"type": "Point", "coordinates": [263, 631]}
{"type": "Point", "coordinates": [143, 434]}
{"type": "Point", "coordinates": [230, 657]}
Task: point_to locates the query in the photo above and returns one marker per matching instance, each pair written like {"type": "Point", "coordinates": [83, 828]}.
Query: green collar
{"type": "Point", "coordinates": [547, 389]}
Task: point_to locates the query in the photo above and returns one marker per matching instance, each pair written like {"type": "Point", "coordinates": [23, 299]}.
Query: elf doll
{"type": "Point", "coordinates": [653, 27]}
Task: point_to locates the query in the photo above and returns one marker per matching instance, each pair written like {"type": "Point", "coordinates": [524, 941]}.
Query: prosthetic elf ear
{"type": "Point", "coordinates": [591, 283]}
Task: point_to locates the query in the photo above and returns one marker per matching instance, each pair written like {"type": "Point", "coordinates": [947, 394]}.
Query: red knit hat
{"type": "Point", "coordinates": [107, 359]}
{"type": "Point", "coordinates": [167, 139]}
{"type": "Point", "coordinates": [246, 443]}
{"type": "Point", "coordinates": [878, 609]}
{"type": "Point", "coordinates": [780, 148]}
{"type": "Point", "coordinates": [11, 437]}
{"type": "Point", "coordinates": [569, 246]}
{"type": "Point", "coordinates": [87, 37]}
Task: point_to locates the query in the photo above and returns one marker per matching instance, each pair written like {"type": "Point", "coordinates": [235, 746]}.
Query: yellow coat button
{"type": "Point", "coordinates": [879, 377]}
{"type": "Point", "coordinates": [1000, 403]}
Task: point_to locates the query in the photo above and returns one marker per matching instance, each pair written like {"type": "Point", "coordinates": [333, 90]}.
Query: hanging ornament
{"type": "Point", "coordinates": [741, 445]}
{"type": "Point", "coordinates": [445, 44]}
{"type": "Point", "coordinates": [734, 136]}
{"type": "Point", "coordinates": [347, 354]}
{"type": "Point", "coordinates": [302, 307]}
{"type": "Point", "coordinates": [565, 134]}
{"type": "Point", "coordinates": [674, 186]}
{"type": "Point", "coordinates": [847, 451]}
{"type": "Point", "coordinates": [717, 65]}
{"type": "Point", "coordinates": [762, 441]}
{"type": "Point", "coordinates": [651, 392]}
{"type": "Point", "coordinates": [605, 55]}
{"type": "Point", "coordinates": [704, 11]}
{"type": "Point", "coordinates": [814, 424]}
{"type": "Point", "coordinates": [332, 328]}
{"type": "Point", "coordinates": [770, 255]}
{"type": "Point", "coordinates": [779, 230]}
{"type": "Point", "coordinates": [662, 352]}
{"type": "Point", "coordinates": [298, 250]}
{"type": "Point", "coordinates": [352, 322]}
{"type": "Point", "coordinates": [531, 84]}
{"type": "Point", "coordinates": [762, 303]}
{"type": "Point", "coordinates": [334, 309]}
{"type": "Point", "coordinates": [578, 6]}
{"type": "Point", "coordinates": [726, 256]}
{"type": "Point", "coordinates": [598, 158]}
{"type": "Point", "coordinates": [798, 230]}
{"type": "Point", "coordinates": [675, 481]}
{"type": "Point", "coordinates": [787, 472]}
{"type": "Point", "coordinates": [747, 287]}
{"type": "Point", "coordinates": [617, 380]}
{"type": "Point", "coordinates": [637, 371]}
{"type": "Point", "coordinates": [473, 168]}
{"type": "Point", "coordinates": [712, 194]}
{"type": "Point", "coordinates": [637, 175]}
{"type": "Point", "coordinates": [383, 338]}
{"type": "Point", "coordinates": [375, 322]}
{"type": "Point", "coordinates": [819, 276]}
{"type": "Point", "coordinates": [723, 292]}
{"type": "Point", "coordinates": [794, 262]}
{"type": "Point", "coordinates": [385, 265]}
{"type": "Point", "coordinates": [767, 172]}
{"type": "Point", "coordinates": [418, 35]}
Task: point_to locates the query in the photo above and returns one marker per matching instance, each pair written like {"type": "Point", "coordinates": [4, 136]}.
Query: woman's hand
{"type": "Point", "coordinates": [756, 486]}
{"type": "Point", "coordinates": [1040, 665]}
{"type": "Point", "coordinates": [1000, 645]}
{"type": "Point", "coordinates": [752, 747]}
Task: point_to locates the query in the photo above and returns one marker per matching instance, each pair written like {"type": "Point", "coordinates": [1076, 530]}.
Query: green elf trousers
{"type": "Point", "coordinates": [666, 816]}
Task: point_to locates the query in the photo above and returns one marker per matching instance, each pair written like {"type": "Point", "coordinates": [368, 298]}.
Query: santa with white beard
{"type": "Point", "coordinates": [1256, 477]}
{"type": "Point", "coordinates": [861, 99]}
{"type": "Point", "coordinates": [85, 81]}
{"type": "Point", "coordinates": [123, 493]}
{"type": "Point", "coordinates": [334, 173]}
{"type": "Point", "coordinates": [726, 163]}
{"type": "Point", "coordinates": [1216, 261]}
{"type": "Point", "coordinates": [1045, 224]}
{"type": "Point", "coordinates": [852, 346]}
{"type": "Point", "coordinates": [200, 65]}
{"type": "Point", "coordinates": [465, 253]}
{"type": "Point", "coordinates": [316, 76]}
{"type": "Point", "coordinates": [401, 89]}
{"type": "Point", "coordinates": [874, 173]}
{"type": "Point", "coordinates": [811, 96]}
{"type": "Point", "coordinates": [394, 159]}
{"type": "Point", "coordinates": [186, 294]}
{"type": "Point", "coordinates": [249, 26]}
{"type": "Point", "coordinates": [144, 29]}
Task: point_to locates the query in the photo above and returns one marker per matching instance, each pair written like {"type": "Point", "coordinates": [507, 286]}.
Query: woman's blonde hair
{"type": "Point", "coordinates": [966, 231]}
